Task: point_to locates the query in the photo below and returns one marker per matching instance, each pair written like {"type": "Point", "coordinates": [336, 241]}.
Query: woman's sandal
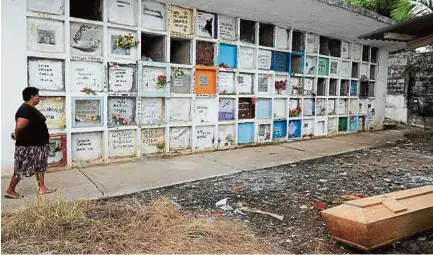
{"type": "Point", "coordinates": [48, 191]}
{"type": "Point", "coordinates": [11, 196]}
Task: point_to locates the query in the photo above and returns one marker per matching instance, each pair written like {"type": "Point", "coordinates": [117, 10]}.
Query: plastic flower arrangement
{"type": "Point", "coordinates": [280, 86]}
{"type": "Point", "coordinates": [160, 145]}
{"type": "Point", "coordinates": [161, 82]}
{"type": "Point", "coordinates": [295, 112]}
{"type": "Point", "coordinates": [125, 41]}
{"type": "Point", "coordinates": [119, 119]}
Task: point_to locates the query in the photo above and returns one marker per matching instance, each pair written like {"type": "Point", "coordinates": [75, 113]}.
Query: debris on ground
{"type": "Point", "coordinates": [247, 209]}
{"type": "Point", "coordinates": [238, 186]}
{"type": "Point", "coordinates": [351, 197]}
{"type": "Point", "coordinates": [222, 202]}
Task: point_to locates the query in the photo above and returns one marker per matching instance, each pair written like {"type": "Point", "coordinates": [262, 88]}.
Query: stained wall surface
{"type": "Point", "coordinates": [211, 80]}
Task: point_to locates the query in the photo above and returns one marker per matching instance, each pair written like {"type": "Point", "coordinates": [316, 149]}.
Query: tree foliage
{"type": "Point", "coordinates": [396, 9]}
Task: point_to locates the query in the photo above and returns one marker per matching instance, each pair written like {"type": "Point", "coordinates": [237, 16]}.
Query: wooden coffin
{"type": "Point", "coordinates": [377, 221]}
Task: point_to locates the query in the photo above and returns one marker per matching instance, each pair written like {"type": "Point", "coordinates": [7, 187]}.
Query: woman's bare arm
{"type": "Point", "coordinates": [21, 124]}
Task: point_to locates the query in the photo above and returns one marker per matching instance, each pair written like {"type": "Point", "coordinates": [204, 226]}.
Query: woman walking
{"type": "Point", "coordinates": [31, 146]}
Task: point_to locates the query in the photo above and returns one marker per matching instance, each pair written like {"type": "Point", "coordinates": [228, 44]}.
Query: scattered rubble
{"type": "Point", "coordinates": [291, 191]}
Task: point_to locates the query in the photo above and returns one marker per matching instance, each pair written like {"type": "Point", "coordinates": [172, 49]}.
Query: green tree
{"type": "Point", "coordinates": [408, 9]}
{"type": "Point", "coordinates": [396, 9]}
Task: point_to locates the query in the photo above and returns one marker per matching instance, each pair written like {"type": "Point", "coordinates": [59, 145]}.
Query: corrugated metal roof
{"type": "Point", "coordinates": [417, 27]}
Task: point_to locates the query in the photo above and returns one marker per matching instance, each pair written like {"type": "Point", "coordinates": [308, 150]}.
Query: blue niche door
{"type": "Point", "coordinates": [246, 133]}
{"type": "Point", "coordinates": [294, 128]}
{"type": "Point", "coordinates": [280, 61]}
{"type": "Point", "coordinates": [228, 56]}
{"type": "Point", "coordinates": [280, 129]}
{"type": "Point", "coordinates": [354, 123]}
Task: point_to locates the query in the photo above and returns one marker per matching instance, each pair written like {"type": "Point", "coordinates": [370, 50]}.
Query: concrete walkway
{"type": "Point", "coordinates": [118, 179]}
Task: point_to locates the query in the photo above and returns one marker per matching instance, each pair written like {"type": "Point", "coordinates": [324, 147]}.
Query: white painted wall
{"type": "Point", "coordinates": [396, 108]}
{"type": "Point", "coordinates": [14, 75]}
{"type": "Point", "coordinates": [380, 90]}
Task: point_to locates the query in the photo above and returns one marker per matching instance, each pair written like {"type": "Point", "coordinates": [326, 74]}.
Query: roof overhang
{"type": "Point", "coordinates": [412, 33]}
{"type": "Point", "coordinates": [331, 18]}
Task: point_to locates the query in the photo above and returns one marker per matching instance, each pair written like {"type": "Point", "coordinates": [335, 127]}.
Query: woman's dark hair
{"type": "Point", "coordinates": [29, 92]}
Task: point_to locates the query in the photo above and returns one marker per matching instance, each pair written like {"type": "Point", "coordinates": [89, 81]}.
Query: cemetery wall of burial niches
{"type": "Point", "coordinates": [143, 78]}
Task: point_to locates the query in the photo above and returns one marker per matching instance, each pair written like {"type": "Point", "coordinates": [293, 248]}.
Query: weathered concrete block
{"type": "Point", "coordinates": [377, 221]}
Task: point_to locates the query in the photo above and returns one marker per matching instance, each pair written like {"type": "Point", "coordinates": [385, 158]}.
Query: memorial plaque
{"type": "Point", "coordinates": [334, 67]}
{"type": "Point", "coordinates": [122, 143]}
{"type": "Point", "coordinates": [226, 135]}
{"type": "Point", "coordinates": [345, 50]}
{"type": "Point", "coordinates": [86, 39]}
{"type": "Point", "coordinates": [180, 22]}
{"type": "Point", "coordinates": [153, 15]}
{"type": "Point", "coordinates": [121, 78]}
{"type": "Point", "coordinates": [345, 69]}
{"type": "Point", "coordinates": [150, 79]}
{"type": "Point", "coordinates": [180, 138]}
{"type": "Point", "coordinates": [282, 38]}
{"type": "Point", "coordinates": [58, 155]}
{"type": "Point", "coordinates": [313, 43]}
{"type": "Point", "coordinates": [280, 130]}
{"type": "Point", "coordinates": [308, 128]}
{"type": "Point", "coordinates": [294, 129]}
{"type": "Point", "coordinates": [180, 110]}
{"type": "Point", "coordinates": [119, 51]}
{"type": "Point", "coordinates": [45, 35]}
{"type": "Point", "coordinates": [181, 83]}
{"type": "Point", "coordinates": [354, 106]}
{"type": "Point", "coordinates": [264, 83]}
{"type": "Point", "coordinates": [323, 68]}
{"type": "Point", "coordinates": [330, 107]}
{"type": "Point", "coordinates": [281, 79]}
{"type": "Point", "coordinates": [122, 11]}
{"type": "Point", "coordinates": [205, 110]}
{"type": "Point", "coordinates": [320, 107]}
{"type": "Point", "coordinates": [47, 6]}
{"type": "Point", "coordinates": [356, 51]}
{"type": "Point", "coordinates": [226, 83]}
{"type": "Point", "coordinates": [53, 108]}
{"type": "Point", "coordinates": [227, 28]}
{"type": "Point", "coordinates": [87, 74]}
{"type": "Point", "coordinates": [308, 107]}
{"type": "Point", "coordinates": [205, 24]}
{"type": "Point", "coordinates": [332, 126]}
{"type": "Point", "coordinates": [152, 140]}
{"type": "Point", "coordinates": [86, 146]}
{"type": "Point", "coordinates": [311, 65]}
{"type": "Point", "coordinates": [226, 109]}
{"type": "Point", "coordinates": [152, 111]}
{"type": "Point", "coordinates": [280, 111]}
{"type": "Point", "coordinates": [121, 111]}
{"type": "Point", "coordinates": [247, 58]}
{"type": "Point", "coordinates": [295, 86]}
{"type": "Point", "coordinates": [264, 108]}
{"type": "Point", "coordinates": [264, 133]}
{"type": "Point", "coordinates": [87, 112]}
{"type": "Point", "coordinates": [245, 83]}
{"type": "Point", "coordinates": [46, 74]}
{"type": "Point", "coordinates": [246, 133]}
{"type": "Point", "coordinates": [265, 59]}
{"type": "Point", "coordinates": [342, 107]}
{"type": "Point", "coordinates": [205, 137]}
{"type": "Point", "coordinates": [308, 86]}
{"type": "Point", "coordinates": [364, 71]}
{"type": "Point", "coordinates": [246, 108]}
{"type": "Point", "coordinates": [320, 129]}
{"type": "Point", "coordinates": [206, 81]}
{"type": "Point", "coordinates": [363, 107]}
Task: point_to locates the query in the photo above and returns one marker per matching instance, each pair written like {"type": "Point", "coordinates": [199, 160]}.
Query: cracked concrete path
{"type": "Point", "coordinates": [126, 178]}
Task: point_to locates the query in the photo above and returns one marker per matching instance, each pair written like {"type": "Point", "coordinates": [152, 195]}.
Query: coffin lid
{"type": "Point", "coordinates": [385, 206]}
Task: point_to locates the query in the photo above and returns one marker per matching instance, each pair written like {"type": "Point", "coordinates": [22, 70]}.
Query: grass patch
{"type": "Point", "coordinates": [114, 227]}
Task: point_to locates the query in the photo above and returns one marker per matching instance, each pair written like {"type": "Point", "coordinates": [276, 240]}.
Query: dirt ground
{"type": "Point", "coordinates": [292, 191]}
